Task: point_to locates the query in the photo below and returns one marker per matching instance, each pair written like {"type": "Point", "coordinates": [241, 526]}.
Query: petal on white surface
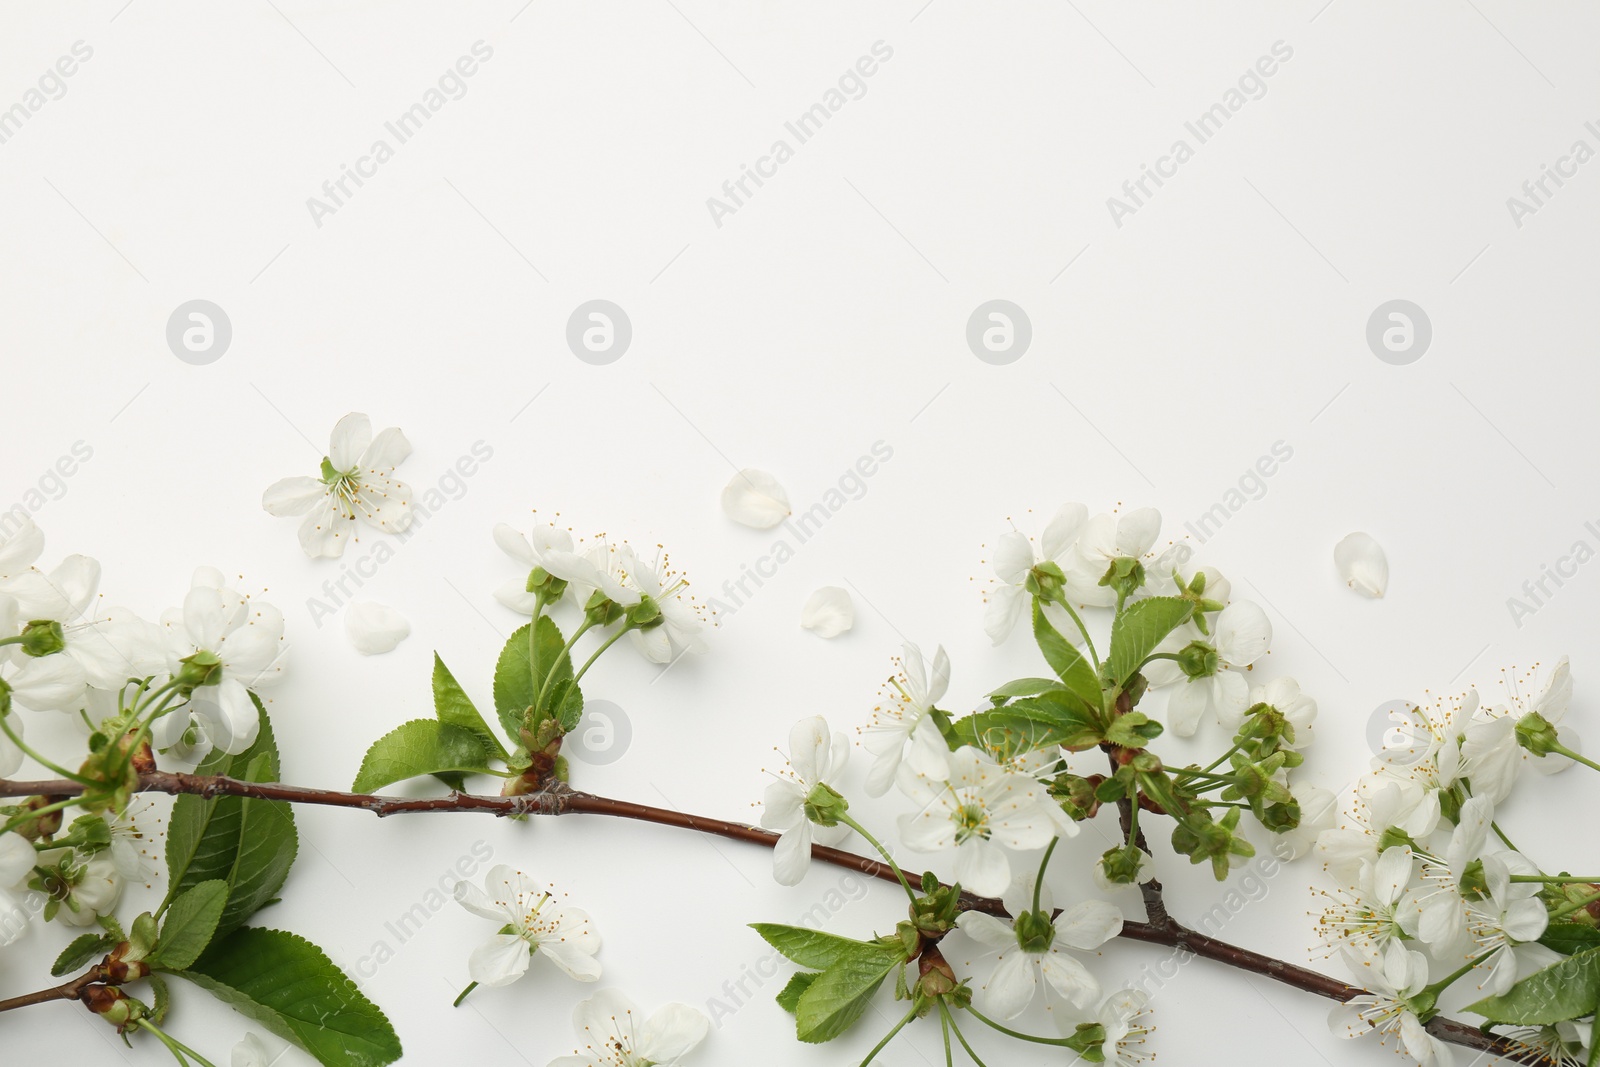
{"type": "Point", "coordinates": [1244, 633]}
{"type": "Point", "coordinates": [754, 498]}
{"type": "Point", "coordinates": [478, 902]}
{"type": "Point", "coordinates": [515, 596]}
{"type": "Point", "coordinates": [351, 436]}
{"type": "Point", "coordinates": [1137, 531]}
{"type": "Point", "coordinates": [251, 1053]}
{"type": "Point", "coordinates": [52, 683]}
{"type": "Point", "coordinates": [1088, 924]}
{"type": "Point", "coordinates": [1362, 564]}
{"type": "Point", "coordinates": [670, 1033]}
{"type": "Point", "coordinates": [828, 612]}
{"type": "Point", "coordinates": [1012, 984]}
{"type": "Point", "coordinates": [293, 496]}
{"type": "Point", "coordinates": [791, 856]}
{"type": "Point", "coordinates": [325, 530]}
{"type": "Point", "coordinates": [17, 858]}
{"type": "Point", "coordinates": [231, 722]}
{"type": "Point", "coordinates": [388, 450]}
{"type": "Point", "coordinates": [987, 930]}
{"type": "Point", "coordinates": [1063, 530]}
{"type": "Point", "coordinates": [383, 502]}
{"type": "Point", "coordinates": [572, 960]}
{"type": "Point", "coordinates": [982, 867]}
{"type": "Point", "coordinates": [499, 961]}
{"type": "Point", "coordinates": [1013, 557]}
{"type": "Point", "coordinates": [514, 544]}
{"type": "Point", "coordinates": [375, 628]}
{"type": "Point", "coordinates": [21, 549]}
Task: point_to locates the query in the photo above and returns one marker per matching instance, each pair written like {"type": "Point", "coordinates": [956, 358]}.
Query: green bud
{"type": "Point", "coordinates": [1124, 577]}
{"type": "Point", "coordinates": [1121, 865]}
{"type": "Point", "coordinates": [934, 913]}
{"type": "Point", "coordinates": [824, 806]}
{"type": "Point", "coordinates": [1035, 933]}
{"type": "Point", "coordinates": [1089, 1041]}
{"type": "Point", "coordinates": [601, 610]}
{"type": "Point", "coordinates": [1046, 581]}
{"type": "Point", "coordinates": [645, 615]}
{"type": "Point", "coordinates": [1537, 734]}
{"type": "Point", "coordinates": [43, 637]}
{"type": "Point", "coordinates": [202, 668]}
{"type": "Point", "coordinates": [548, 585]}
{"type": "Point", "coordinates": [1198, 660]}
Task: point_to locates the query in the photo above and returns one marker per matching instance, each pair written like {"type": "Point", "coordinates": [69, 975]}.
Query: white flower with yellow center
{"type": "Point", "coordinates": [532, 923]}
{"type": "Point", "coordinates": [1394, 981]}
{"type": "Point", "coordinates": [357, 482]}
{"type": "Point", "coordinates": [615, 1035]}
{"type": "Point", "coordinates": [913, 690]}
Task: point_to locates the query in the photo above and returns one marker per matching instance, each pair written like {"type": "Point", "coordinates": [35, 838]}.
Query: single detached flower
{"type": "Point", "coordinates": [815, 758]}
{"type": "Point", "coordinates": [1034, 948]}
{"type": "Point", "coordinates": [357, 482]}
{"type": "Point", "coordinates": [615, 1035]}
{"type": "Point", "coordinates": [532, 923]}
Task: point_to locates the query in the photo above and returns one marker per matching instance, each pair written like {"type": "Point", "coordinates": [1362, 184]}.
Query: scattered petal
{"type": "Point", "coordinates": [1362, 564]}
{"type": "Point", "coordinates": [828, 612]}
{"type": "Point", "coordinates": [374, 628]}
{"type": "Point", "coordinates": [754, 498]}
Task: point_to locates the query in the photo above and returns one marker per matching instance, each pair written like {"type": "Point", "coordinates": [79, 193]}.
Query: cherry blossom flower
{"type": "Point", "coordinates": [614, 1034]}
{"type": "Point", "coordinates": [816, 758]}
{"type": "Point", "coordinates": [357, 482]}
{"type": "Point", "coordinates": [913, 691]}
{"type": "Point", "coordinates": [533, 924]}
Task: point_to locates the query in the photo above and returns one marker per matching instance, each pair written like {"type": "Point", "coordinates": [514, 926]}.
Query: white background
{"type": "Point", "coordinates": [826, 314]}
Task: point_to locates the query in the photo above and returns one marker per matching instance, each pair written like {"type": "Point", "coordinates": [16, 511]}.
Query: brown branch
{"type": "Point", "coordinates": [73, 990]}
{"type": "Point", "coordinates": [560, 799]}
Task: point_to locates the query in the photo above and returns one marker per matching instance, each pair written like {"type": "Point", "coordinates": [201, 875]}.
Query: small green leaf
{"type": "Point", "coordinates": [521, 673]}
{"type": "Point", "coordinates": [1054, 718]}
{"type": "Point", "coordinates": [838, 996]}
{"type": "Point", "coordinates": [799, 982]}
{"type": "Point", "coordinates": [289, 986]}
{"type": "Point", "coordinates": [419, 747]}
{"type": "Point", "coordinates": [250, 844]}
{"type": "Point", "coordinates": [452, 705]}
{"type": "Point", "coordinates": [1562, 991]}
{"type": "Point", "coordinates": [1024, 687]}
{"type": "Point", "coordinates": [1139, 629]}
{"type": "Point", "coordinates": [84, 950]}
{"type": "Point", "coordinates": [813, 948]}
{"type": "Point", "coordinates": [1076, 673]}
{"type": "Point", "coordinates": [190, 924]}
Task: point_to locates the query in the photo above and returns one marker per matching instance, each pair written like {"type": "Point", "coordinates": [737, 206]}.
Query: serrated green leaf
{"type": "Point", "coordinates": [838, 996]}
{"type": "Point", "coordinates": [189, 926]}
{"type": "Point", "coordinates": [1570, 938]}
{"type": "Point", "coordinates": [1024, 687]}
{"type": "Point", "coordinates": [789, 995]}
{"type": "Point", "coordinates": [1562, 991]}
{"type": "Point", "coordinates": [1076, 673]}
{"type": "Point", "coordinates": [249, 844]}
{"type": "Point", "coordinates": [84, 950]}
{"type": "Point", "coordinates": [1139, 629]}
{"type": "Point", "coordinates": [816, 949]}
{"type": "Point", "coordinates": [289, 986]}
{"type": "Point", "coordinates": [452, 705]}
{"type": "Point", "coordinates": [1053, 718]}
{"type": "Point", "coordinates": [417, 748]}
{"type": "Point", "coordinates": [521, 672]}
{"type": "Point", "coordinates": [161, 998]}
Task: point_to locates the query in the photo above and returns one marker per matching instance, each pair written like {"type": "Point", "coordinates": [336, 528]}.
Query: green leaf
{"type": "Point", "coordinates": [419, 747]}
{"type": "Point", "coordinates": [813, 948]}
{"type": "Point", "coordinates": [1139, 629]}
{"type": "Point", "coordinates": [452, 705]}
{"type": "Point", "coordinates": [789, 995]}
{"type": "Point", "coordinates": [249, 844]}
{"type": "Point", "coordinates": [1024, 687]}
{"type": "Point", "coordinates": [1055, 718]}
{"type": "Point", "coordinates": [84, 950]}
{"type": "Point", "coordinates": [289, 986]}
{"type": "Point", "coordinates": [522, 670]}
{"type": "Point", "coordinates": [838, 996]}
{"type": "Point", "coordinates": [190, 924]}
{"type": "Point", "coordinates": [1566, 990]}
{"type": "Point", "coordinates": [1569, 939]}
{"type": "Point", "coordinates": [1075, 672]}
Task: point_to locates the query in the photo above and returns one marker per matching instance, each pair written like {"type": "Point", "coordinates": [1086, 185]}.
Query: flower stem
{"type": "Point", "coordinates": [1038, 883]}
{"type": "Point", "coordinates": [174, 1046]}
{"type": "Point", "coordinates": [873, 841]}
{"type": "Point", "coordinates": [34, 813]}
{"type": "Point", "coordinates": [944, 1012]}
{"type": "Point", "coordinates": [1576, 905]}
{"type": "Point", "coordinates": [5, 725]}
{"type": "Point", "coordinates": [564, 654]}
{"type": "Point", "coordinates": [1552, 879]}
{"type": "Point", "coordinates": [880, 1046]}
{"type": "Point", "coordinates": [1082, 629]}
{"type": "Point", "coordinates": [464, 993]}
{"type": "Point", "coordinates": [1563, 750]}
{"type": "Point", "coordinates": [613, 639]}
{"type": "Point", "coordinates": [1018, 1034]}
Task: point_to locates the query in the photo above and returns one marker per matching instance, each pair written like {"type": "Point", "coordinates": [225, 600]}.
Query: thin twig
{"type": "Point", "coordinates": [560, 799]}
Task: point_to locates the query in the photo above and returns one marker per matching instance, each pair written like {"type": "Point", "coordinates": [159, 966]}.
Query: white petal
{"type": "Point", "coordinates": [670, 1033]}
{"type": "Point", "coordinates": [1088, 924]}
{"type": "Point", "coordinates": [479, 903]}
{"type": "Point", "coordinates": [571, 960]}
{"type": "Point", "coordinates": [1069, 977]}
{"type": "Point", "coordinates": [251, 1053]}
{"type": "Point", "coordinates": [52, 683]}
{"type": "Point", "coordinates": [1063, 530]}
{"type": "Point", "coordinates": [1013, 557]}
{"type": "Point", "coordinates": [1362, 564]}
{"type": "Point", "coordinates": [231, 722]}
{"type": "Point", "coordinates": [754, 498]}
{"type": "Point", "coordinates": [1010, 988]}
{"type": "Point", "coordinates": [1005, 608]}
{"type": "Point", "coordinates": [1137, 531]}
{"type": "Point", "coordinates": [828, 612]}
{"type": "Point", "coordinates": [791, 856]}
{"type": "Point", "coordinates": [293, 496]}
{"type": "Point", "coordinates": [17, 858]}
{"type": "Point", "coordinates": [388, 450]}
{"type": "Point", "coordinates": [351, 436]}
{"type": "Point", "coordinates": [982, 867]}
{"type": "Point", "coordinates": [1243, 633]}
{"type": "Point", "coordinates": [987, 930]}
{"type": "Point", "coordinates": [383, 502]}
{"type": "Point", "coordinates": [808, 748]}
{"type": "Point", "coordinates": [515, 596]}
{"type": "Point", "coordinates": [515, 545]}
{"type": "Point", "coordinates": [21, 549]}
{"type": "Point", "coordinates": [325, 530]}
{"type": "Point", "coordinates": [499, 961]}
{"type": "Point", "coordinates": [374, 628]}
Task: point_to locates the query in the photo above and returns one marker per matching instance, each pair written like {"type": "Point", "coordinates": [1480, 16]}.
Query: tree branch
{"type": "Point", "coordinates": [560, 799]}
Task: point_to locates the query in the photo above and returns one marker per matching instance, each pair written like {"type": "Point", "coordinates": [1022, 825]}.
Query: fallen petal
{"type": "Point", "coordinates": [374, 628]}
{"type": "Point", "coordinates": [754, 498]}
{"type": "Point", "coordinates": [828, 612]}
{"type": "Point", "coordinates": [1362, 564]}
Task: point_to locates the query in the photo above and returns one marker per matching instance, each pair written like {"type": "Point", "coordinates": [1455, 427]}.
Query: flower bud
{"type": "Point", "coordinates": [202, 668]}
{"type": "Point", "coordinates": [43, 638]}
{"type": "Point", "coordinates": [1198, 660]}
{"type": "Point", "coordinates": [1537, 734]}
{"type": "Point", "coordinates": [1123, 866]}
{"type": "Point", "coordinates": [824, 806]}
{"type": "Point", "coordinates": [1046, 581]}
{"type": "Point", "coordinates": [1035, 933]}
{"type": "Point", "coordinates": [1124, 577]}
